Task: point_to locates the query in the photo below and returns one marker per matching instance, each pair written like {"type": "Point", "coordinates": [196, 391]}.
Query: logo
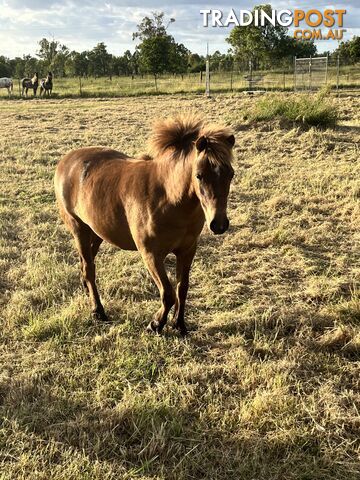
{"type": "Point", "coordinates": [307, 23]}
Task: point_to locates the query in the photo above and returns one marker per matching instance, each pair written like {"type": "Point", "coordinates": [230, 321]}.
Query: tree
{"type": "Point", "coordinates": [350, 50]}
{"type": "Point", "coordinates": [302, 48]}
{"type": "Point", "coordinates": [29, 65]}
{"type": "Point", "coordinates": [154, 54]}
{"type": "Point", "coordinates": [151, 27]}
{"type": "Point", "coordinates": [100, 61]}
{"type": "Point", "coordinates": [196, 62]}
{"type": "Point", "coordinates": [125, 64]}
{"type": "Point", "coordinates": [135, 62]}
{"type": "Point", "coordinates": [5, 68]}
{"type": "Point", "coordinates": [161, 54]}
{"type": "Point", "coordinates": [265, 44]}
{"type": "Point", "coordinates": [354, 48]}
{"type": "Point", "coordinates": [79, 63]}
{"type": "Point", "coordinates": [60, 61]}
{"type": "Point", "coordinates": [53, 56]}
{"type": "Point", "coordinates": [158, 52]}
{"type": "Point", "coordinates": [120, 66]}
{"type": "Point", "coordinates": [48, 50]}
{"type": "Point", "coordinates": [178, 57]}
{"type": "Point", "coordinates": [131, 62]}
{"type": "Point", "coordinates": [221, 61]}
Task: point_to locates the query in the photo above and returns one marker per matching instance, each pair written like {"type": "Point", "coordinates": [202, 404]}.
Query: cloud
{"type": "Point", "coordinates": [82, 24]}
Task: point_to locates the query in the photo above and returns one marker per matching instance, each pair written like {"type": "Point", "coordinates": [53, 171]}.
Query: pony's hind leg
{"type": "Point", "coordinates": [155, 265]}
{"type": "Point", "coordinates": [87, 244]}
{"type": "Point", "coordinates": [87, 249]}
{"type": "Point", "coordinates": [95, 245]}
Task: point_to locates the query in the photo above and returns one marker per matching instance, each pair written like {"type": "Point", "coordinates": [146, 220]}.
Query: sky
{"type": "Point", "coordinates": [81, 24]}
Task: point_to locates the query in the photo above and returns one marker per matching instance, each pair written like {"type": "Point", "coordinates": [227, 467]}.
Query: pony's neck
{"type": "Point", "coordinates": [177, 179]}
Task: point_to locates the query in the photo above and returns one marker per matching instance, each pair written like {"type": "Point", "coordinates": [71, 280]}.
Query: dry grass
{"type": "Point", "coordinates": [266, 387]}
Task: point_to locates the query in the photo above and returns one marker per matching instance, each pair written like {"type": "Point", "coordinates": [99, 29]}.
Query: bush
{"type": "Point", "coordinates": [312, 110]}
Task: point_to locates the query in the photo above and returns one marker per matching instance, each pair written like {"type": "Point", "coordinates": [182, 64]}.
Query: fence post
{"type": "Point", "coordinates": [231, 80]}
{"type": "Point", "coordinates": [337, 71]}
{"type": "Point", "coordinates": [295, 73]}
{"type": "Point", "coordinates": [310, 72]}
{"type": "Point", "coordinates": [284, 80]}
{"type": "Point", "coordinates": [250, 74]}
{"type": "Point", "coordinates": [207, 88]}
{"type": "Point", "coordinates": [326, 68]}
{"type": "Point", "coordinates": [80, 89]}
{"type": "Point", "coordinates": [156, 87]}
{"type": "Point", "coordinates": [19, 88]}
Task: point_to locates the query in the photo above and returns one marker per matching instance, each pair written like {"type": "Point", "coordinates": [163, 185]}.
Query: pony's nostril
{"type": "Point", "coordinates": [213, 226]}
{"type": "Point", "coordinates": [218, 228]}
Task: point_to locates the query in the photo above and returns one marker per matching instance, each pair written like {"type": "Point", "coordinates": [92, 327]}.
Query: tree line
{"type": "Point", "coordinates": [158, 52]}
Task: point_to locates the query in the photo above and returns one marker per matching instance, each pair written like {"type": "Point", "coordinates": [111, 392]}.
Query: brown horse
{"type": "Point", "coordinates": [46, 85]}
{"type": "Point", "coordinates": [156, 204]}
{"type": "Point", "coordinates": [30, 83]}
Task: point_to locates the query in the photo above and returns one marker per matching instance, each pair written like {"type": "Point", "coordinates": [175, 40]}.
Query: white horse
{"type": "Point", "coordinates": [7, 83]}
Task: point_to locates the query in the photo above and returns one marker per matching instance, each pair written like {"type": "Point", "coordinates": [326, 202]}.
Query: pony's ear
{"type": "Point", "coordinates": [231, 140]}
{"type": "Point", "coordinates": [201, 143]}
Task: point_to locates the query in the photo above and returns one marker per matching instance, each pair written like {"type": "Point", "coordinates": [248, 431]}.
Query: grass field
{"type": "Point", "coordinates": [267, 385]}
{"type": "Point", "coordinates": [282, 79]}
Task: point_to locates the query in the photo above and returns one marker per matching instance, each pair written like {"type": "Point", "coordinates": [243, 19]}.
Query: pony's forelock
{"type": "Point", "coordinates": [175, 138]}
{"type": "Point", "coordinates": [218, 149]}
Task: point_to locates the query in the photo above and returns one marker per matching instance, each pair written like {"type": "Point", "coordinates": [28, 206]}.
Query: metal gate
{"type": "Point", "coordinates": [310, 73]}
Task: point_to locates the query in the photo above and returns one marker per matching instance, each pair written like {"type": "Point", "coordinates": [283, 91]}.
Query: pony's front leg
{"type": "Point", "coordinates": [184, 260]}
{"type": "Point", "coordinates": [155, 265]}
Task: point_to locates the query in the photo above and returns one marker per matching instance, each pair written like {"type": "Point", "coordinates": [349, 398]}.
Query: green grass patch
{"type": "Point", "coordinates": [313, 110]}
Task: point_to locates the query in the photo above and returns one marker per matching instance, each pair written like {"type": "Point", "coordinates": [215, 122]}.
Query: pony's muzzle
{"type": "Point", "coordinates": [219, 226]}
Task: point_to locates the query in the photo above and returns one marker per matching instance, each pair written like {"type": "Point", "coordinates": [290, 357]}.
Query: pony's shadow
{"type": "Point", "coordinates": [129, 439]}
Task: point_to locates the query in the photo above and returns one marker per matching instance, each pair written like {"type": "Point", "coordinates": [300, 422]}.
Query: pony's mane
{"type": "Point", "coordinates": [175, 138]}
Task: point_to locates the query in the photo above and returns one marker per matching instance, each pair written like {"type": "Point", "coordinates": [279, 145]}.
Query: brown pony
{"type": "Point", "coordinates": [156, 204]}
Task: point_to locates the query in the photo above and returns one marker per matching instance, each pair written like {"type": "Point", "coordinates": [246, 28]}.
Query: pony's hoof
{"type": "Point", "coordinates": [184, 332]}
{"type": "Point", "coordinates": [153, 328]}
{"type": "Point", "coordinates": [100, 315]}
{"type": "Point", "coordinates": [181, 329]}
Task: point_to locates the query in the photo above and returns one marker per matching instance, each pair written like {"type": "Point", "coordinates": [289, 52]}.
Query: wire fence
{"type": "Point", "coordinates": [337, 74]}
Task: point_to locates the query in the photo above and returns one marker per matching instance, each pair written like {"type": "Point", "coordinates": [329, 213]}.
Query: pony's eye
{"type": "Point", "coordinates": [199, 176]}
